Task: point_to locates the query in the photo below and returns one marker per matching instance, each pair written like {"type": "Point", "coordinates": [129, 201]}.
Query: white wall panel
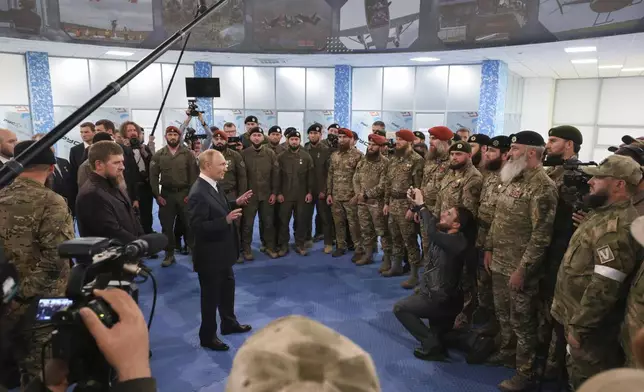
{"type": "Point", "coordinates": [69, 81]}
{"type": "Point", "coordinates": [102, 73]}
{"type": "Point", "coordinates": [587, 148]}
{"type": "Point", "coordinates": [292, 119]}
{"type": "Point", "coordinates": [537, 104]}
{"type": "Point", "coordinates": [621, 101]}
{"type": "Point", "coordinates": [464, 88]}
{"type": "Point", "coordinates": [13, 80]}
{"type": "Point", "coordinates": [290, 88]}
{"type": "Point", "coordinates": [320, 83]}
{"type": "Point", "coordinates": [367, 89]}
{"type": "Point", "coordinates": [607, 136]}
{"type": "Point", "coordinates": [424, 121]}
{"type": "Point", "coordinates": [177, 97]}
{"type": "Point", "coordinates": [231, 83]}
{"type": "Point", "coordinates": [146, 118]}
{"type": "Point", "coordinates": [398, 88]}
{"type": "Point", "coordinates": [576, 101]}
{"type": "Point", "coordinates": [145, 89]}
{"type": "Point", "coordinates": [431, 88]}
{"type": "Point", "coordinates": [600, 153]}
{"type": "Point", "coordinates": [259, 87]}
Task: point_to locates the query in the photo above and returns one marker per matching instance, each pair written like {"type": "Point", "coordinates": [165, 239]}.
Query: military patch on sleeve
{"type": "Point", "coordinates": [605, 254]}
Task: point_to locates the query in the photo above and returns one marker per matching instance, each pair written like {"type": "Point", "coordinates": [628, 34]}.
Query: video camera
{"type": "Point", "coordinates": [575, 183]}
{"type": "Point", "coordinates": [192, 136]}
{"type": "Point", "coordinates": [193, 108]}
{"type": "Point", "coordinates": [333, 140]}
{"type": "Point", "coordinates": [391, 146]}
{"type": "Point", "coordinates": [99, 263]}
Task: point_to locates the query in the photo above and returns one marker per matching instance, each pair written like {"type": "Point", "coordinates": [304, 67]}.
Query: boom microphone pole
{"type": "Point", "coordinates": [15, 166]}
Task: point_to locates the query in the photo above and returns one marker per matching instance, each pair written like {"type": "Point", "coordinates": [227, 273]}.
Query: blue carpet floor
{"type": "Point", "coordinates": [354, 301]}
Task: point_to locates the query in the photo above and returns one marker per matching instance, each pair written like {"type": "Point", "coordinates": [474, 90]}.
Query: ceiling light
{"type": "Point", "coordinates": [610, 66]}
{"type": "Point", "coordinates": [584, 61]}
{"type": "Point", "coordinates": [425, 59]}
{"type": "Point", "coordinates": [118, 53]}
{"type": "Point", "coordinates": [581, 49]}
{"type": "Point", "coordinates": [639, 69]}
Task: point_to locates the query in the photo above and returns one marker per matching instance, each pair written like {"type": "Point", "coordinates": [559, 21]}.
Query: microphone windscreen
{"type": "Point", "coordinates": [156, 242]}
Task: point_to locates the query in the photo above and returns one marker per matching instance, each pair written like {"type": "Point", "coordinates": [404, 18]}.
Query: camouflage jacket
{"type": "Point", "coordinates": [433, 173]}
{"type": "Point", "coordinates": [638, 202]}
{"type": "Point", "coordinates": [262, 171]}
{"type": "Point", "coordinates": [370, 178]}
{"type": "Point", "coordinates": [520, 235]}
{"type": "Point", "coordinates": [343, 167]}
{"type": "Point", "coordinates": [634, 320]}
{"type": "Point", "coordinates": [595, 272]}
{"type": "Point", "coordinates": [173, 171]}
{"type": "Point", "coordinates": [235, 182]}
{"type": "Point", "coordinates": [34, 221]}
{"type": "Point", "coordinates": [296, 175]}
{"type": "Point", "coordinates": [487, 207]}
{"type": "Point", "coordinates": [403, 172]}
{"type": "Point", "coordinates": [460, 188]}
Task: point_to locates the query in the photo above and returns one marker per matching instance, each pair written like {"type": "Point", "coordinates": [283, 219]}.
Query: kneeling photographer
{"type": "Point", "coordinates": [438, 297]}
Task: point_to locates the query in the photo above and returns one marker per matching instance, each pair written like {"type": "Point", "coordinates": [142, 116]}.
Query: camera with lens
{"type": "Point", "coordinates": [333, 140]}
{"type": "Point", "coordinates": [192, 136]}
{"type": "Point", "coordinates": [391, 146]}
{"type": "Point", "coordinates": [99, 263]}
{"type": "Point", "coordinates": [193, 108]}
{"type": "Point", "coordinates": [575, 185]}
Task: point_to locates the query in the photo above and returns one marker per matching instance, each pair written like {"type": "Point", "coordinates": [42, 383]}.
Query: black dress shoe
{"type": "Point", "coordinates": [239, 328]}
{"type": "Point", "coordinates": [215, 345]}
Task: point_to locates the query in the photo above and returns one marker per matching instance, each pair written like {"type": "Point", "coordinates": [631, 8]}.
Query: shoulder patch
{"type": "Point", "coordinates": [605, 254]}
{"type": "Point", "coordinates": [611, 225]}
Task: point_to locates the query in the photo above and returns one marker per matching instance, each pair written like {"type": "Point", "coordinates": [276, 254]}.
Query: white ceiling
{"type": "Point", "coordinates": [537, 60]}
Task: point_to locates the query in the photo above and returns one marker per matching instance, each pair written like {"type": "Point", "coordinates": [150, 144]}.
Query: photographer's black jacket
{"type": "Point", "coordinates": [443, 263]}
{"type": "Point", "coordinates": [136, 385]}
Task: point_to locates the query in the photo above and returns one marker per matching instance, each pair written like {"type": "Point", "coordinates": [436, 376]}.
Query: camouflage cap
{"type": "Point", "coordinates": [616, 380]}
{"type": "Point", "coordinates": [295, 353]}
{"type": "Point", "coordinates": [617, 166]}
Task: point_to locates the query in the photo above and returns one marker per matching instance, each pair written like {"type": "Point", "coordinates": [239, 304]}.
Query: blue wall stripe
{"type": "Point", "coordinates": [203, 69]}
{"type": "Point", "coordinates": [41, 101]}
{"type": "Point", "coordinates": [342, 95]}
{"type": "Point", "coordinates": [494, 83]}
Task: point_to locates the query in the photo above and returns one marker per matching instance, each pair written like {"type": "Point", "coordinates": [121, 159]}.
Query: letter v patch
{"type": "Point", "coordinates": [605, 254]}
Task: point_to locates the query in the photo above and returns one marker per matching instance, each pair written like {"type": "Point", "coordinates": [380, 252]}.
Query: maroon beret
{"type": "Point", "coordinates": [441, 133]}
{"type": "Point", "coordinates": [346, 132]}
{"type": "Point", "coordinates": [406, 134]}
{"type": "Point", "coordinates": [378, 139]}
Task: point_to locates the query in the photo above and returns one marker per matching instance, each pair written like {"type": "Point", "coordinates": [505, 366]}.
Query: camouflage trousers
{"type": "Point", "coordinates": [597, 353]}
{"type": "Point", "coordinates": [403, 233]}
{"type": "Point", "coordinates": [373, 224]}
{"type": "Point", "coordinates": [344, 212]}
{"type": "Point", "coordinates": [516, 312]}
{"type": "Point", "coordinates": [629, 329]}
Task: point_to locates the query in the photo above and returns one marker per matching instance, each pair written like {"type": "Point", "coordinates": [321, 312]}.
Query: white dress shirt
{"type": "Point", "coordinates": [210, 181]}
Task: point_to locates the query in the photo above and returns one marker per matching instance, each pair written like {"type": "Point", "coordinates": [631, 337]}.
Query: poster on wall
{"type": "Point", "coordinates": [221, 117]}
{"type": "Point", "coordinates": [395, 121]}
{"type": "Point", "coordinates": [291, 24]}
{"type": "Point", "coordinates": [17, 119]}
{"type": "Point", "coordinates": [266, 118]}
{"type": "Point", "coordinates": [456, 120]}
{"type": "Point", "coordinates": [120, 22]}
{"type": "Point", "coordinates": [116, 115]}
{"type": "Point", "coordinates": [361, 123]}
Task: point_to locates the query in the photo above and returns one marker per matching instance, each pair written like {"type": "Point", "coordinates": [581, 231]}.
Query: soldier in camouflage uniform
{"type": "Point", "coordinates": [369, 186]}
{"type": "Point", "coordinates": [340, 194]}
{"type": "Point", "coordinates": [515, 249]}
{"type": "Point", "coordinates": [495, 157]}
{"type": "Point", "coordinates": [479, 142]}
{"type": "Point", "coordinates": [461, 186]}
{"type": "Point", "coordinates": [321, 155]}
{"type": "Point", "coordinates": [174, 168]}
{"type": "Point", "coordinates": [634, 320]}
{"type": "Point", "coordinates": [34, 221]}
{"type": "Point", "coordinates": [405, 170]}
{"type": "Point", "coordinates": [590, 296]}
{"type": "Point", "coordinates": [294, 193]}
{"type": "Point", "coordinates": [262, 172]}
{"type": "Point", "coordinates": [234, 183]}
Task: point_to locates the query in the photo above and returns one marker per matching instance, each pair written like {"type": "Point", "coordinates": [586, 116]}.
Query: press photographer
{"type": "Point", "coordinates": [190, 134]}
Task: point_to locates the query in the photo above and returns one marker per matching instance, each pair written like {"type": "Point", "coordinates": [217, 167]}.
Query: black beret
{"type": "Point", "coordinates": [45, 157]}
{"type": "Point", "coordinates": [101, 137]}
{"type": "Point", "coordinates": [528, 138]}
{"type": "Point", "coordinates": [461, 146]}
{"type": "Point", "coordinates": [256, 130]}
{"type": "Point", "coordinates": [289, 130]}
{"type": "Point", "coordinates": [250, 119]}
{"type": "Point", "coordinates": [275, 129]}
{"type": "Point", "coordinates": [419, 135]}
{"type": "Point", "coordinates": [334, 125]}
{"type": "Point", "coordinates": [381, 132]}
{"type": "Point", "coordinates": [294, 134]}
{"type": "Point", "coordinates": [499, 142]}
{"type": "Point", "coordinates": [314, 128]}
{"type": "Point", "coordinates": [567, 132]}
{"type": "Point", "coordinates": [456, 137]}
{"type": "Point", "coordinates": [479, 138]}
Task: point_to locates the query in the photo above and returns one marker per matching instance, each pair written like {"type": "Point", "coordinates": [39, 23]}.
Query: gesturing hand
{"type": "Point", "coordinates": [415, 196]}
{"type": "Point", "coordinates": [233, 215]}
{"type": "Point", "coordinates": [243, 199]}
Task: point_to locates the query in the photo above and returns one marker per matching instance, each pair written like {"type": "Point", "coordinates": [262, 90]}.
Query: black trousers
{"type": "Point", "coordinates": [217, 294]}
{"type": "Point", "coordinates": [411, 310]}
{"type": "Point", "coordinates": [146, 202]}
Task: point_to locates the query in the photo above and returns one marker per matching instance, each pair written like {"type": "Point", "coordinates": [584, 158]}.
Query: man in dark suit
{"type": "Point", "coordinates": [61, 180]}
{"type": "Point", "coordinates": [77, 154]}
{"type": "Point", "coordinates": [103, 207]}
{"type": "Point", "coordinates": [216, 249]}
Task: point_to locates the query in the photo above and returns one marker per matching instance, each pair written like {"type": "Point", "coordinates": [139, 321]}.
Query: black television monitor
{"type": "Point", "coordinates": [203, 87]}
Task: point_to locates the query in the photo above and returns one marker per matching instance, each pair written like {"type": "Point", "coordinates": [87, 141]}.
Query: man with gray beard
{"type": "Point", "coordinates": [515, 249]}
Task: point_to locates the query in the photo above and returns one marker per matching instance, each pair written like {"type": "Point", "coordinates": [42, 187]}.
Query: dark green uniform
{"type": "Point", "coordinates": [234, 183]}
{"type": "Point", "coordinates": [262, 172]}
{"type": "Point", "coordinates": [175, 173]}
{"type": "Point", "coordinates": [277, 149]}
{"type": "Point", "coordinates": [296, 182]}
{"type": "Point", "coordinates": [245, 140]}
{"type": "Point", "coordinates": [321, 155]}
{"type": "Point", "coordinates": [34, 221]}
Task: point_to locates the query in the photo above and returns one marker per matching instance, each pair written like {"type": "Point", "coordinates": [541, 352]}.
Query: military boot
{"type": "Point", "coordinates": [272, 254]}
{"type": "Point", "coordinates": [240, 259]}
{"type": "Point", "coordinates": [301, 250]}
{"type": "Point", "coordinates": [500, 358]}
{"type": "Point", "coordinates": [517, 383]}
{"type": "Point", "coordinates": [386, 263]}
{"type": "Point", "coordinates": [366, 258]}
{"type": "Point", "coordinates": [248, 255]}
{"type": "Point", "coordinates": [413, 279]}
{"type": "Point", "coordinates": [328, 249]}
{"type": "Point", "coordinates": [356, 256]}
{"type": "Point", "coordinates": [338, 252]}
{"type": "Point", "coordinates": [169, 260]}
{"type": "Point", "coordinates": [395, 270]}
{"type": "Point", "coordinates": [283, 252]}
{"type": "Point", "coordinates": [308, 244]}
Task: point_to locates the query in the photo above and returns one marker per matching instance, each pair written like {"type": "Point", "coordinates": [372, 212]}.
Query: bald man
{"type": "Point", "coordinates": [8, 141]}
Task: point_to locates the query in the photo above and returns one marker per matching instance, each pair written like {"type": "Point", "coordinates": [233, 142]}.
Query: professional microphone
{"type": "Point", "coordinates": [146, 245]}
{"type": "Point", "coordinates": [202, 6]}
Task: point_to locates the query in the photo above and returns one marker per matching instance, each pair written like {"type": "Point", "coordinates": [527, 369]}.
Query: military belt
{"type": "Point", "coordinates": [174, 189]}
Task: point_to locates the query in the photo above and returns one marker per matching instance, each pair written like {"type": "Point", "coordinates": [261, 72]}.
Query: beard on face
{"type": "Point", "coordinates": [438, 152]}
{"type": "Point", "coordinates": [476, 158]}
{"type": "Point", "coordinates": [294, 148]}
{"type": "Point", "coordinates": [596, 200]}
{"type": "Point", "coordinates": [444, 227]}
{"type": "Point", "coordinates": [457, 166]}
{"type": "Point", "coordinates": [513, 168]}
{"type": "Point", "coordinates": [173, 143]}
{"type": "Point", "coordinates": [494, 165]}
{"type": "Point", "coordinates": [219, 147]}
{"type": "Point", "coordinates": [344, 146]}
{"type": "Point", "coordinates": [256, 146]}
{"type": "Point", "coordinates": [116, 181]}
{"type": "Point", "coordinates": [372, 154]}
{"type": "Point", "coordinates": [401, 151]}
{"type": "Point", "coordinates": [553, 158]}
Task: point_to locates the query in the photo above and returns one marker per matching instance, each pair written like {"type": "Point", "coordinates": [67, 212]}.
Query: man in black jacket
{"type": "Point", "coordinates": [61, 179]}
{"type": "Point", "coordinates": [103, 208]}
{"type": "Point", "coordinates": [438, 297]}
